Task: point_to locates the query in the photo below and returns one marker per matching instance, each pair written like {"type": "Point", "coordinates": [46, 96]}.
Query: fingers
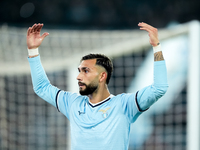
{"type": "Point", "coordinates": [34, 28]}
{"type": "Point", "coordinates": [28, 31]}
{"type": "Point", "coordinates": [31, 30]}
{"type": "Point", "coordinates": [146, 27]}
{"type": "Point", "coordinates": [153, 33]}
{"type": "Point", "coordinates": [44, 35]}
{"type": "Point", "coordinates": [38, 27]}
{"type": "Point", "coordinates": [150, 29]}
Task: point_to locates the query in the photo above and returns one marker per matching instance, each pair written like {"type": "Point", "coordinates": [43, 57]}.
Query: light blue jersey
{"type": "Point", "coordinates": [106, 125]}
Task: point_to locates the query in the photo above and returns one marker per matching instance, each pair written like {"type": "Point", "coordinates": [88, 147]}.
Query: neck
{"type": "Point", "coordinates": [99, 95]}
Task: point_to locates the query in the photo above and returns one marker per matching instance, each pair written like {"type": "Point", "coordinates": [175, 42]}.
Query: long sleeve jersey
{"type": "Point", "coordinates": [105, 125]}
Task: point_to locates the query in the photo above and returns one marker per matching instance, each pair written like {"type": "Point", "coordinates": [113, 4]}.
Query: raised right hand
{"type": "Point", "coordinates": [33, 38]}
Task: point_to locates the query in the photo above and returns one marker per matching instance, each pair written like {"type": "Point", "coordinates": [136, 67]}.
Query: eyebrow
{"type": "Point", "coordinates": [83, 68]}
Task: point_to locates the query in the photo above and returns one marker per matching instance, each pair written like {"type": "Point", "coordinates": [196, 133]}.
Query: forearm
{"type": "Point", "coordinates": [41, 84]}
{"type": "Point", "coordinates": [158, 55]}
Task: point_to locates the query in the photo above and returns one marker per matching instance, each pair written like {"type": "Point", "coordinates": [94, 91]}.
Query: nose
{"type": "Point", "coordinates": [79, 77]}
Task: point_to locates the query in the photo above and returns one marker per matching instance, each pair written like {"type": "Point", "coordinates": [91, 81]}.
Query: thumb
{"type": "Point", "coordinates": [44, 35]}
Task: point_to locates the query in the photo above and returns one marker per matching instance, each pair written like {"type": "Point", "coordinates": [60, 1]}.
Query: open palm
{"type": "Point", "coordinates": [153, 33]}
{"type": "Point", "coordinates": [33, 38]}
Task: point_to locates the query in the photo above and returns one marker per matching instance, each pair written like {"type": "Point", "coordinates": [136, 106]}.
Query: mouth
{"type": "Point", "coordinates": [81, 84]}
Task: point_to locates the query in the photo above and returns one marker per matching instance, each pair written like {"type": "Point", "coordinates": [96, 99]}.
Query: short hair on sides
{"type": "Point", "coordinates": [103, 61]}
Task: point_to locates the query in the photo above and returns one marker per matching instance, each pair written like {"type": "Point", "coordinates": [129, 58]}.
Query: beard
{"type": "Point", "coordinates": [89, 89]}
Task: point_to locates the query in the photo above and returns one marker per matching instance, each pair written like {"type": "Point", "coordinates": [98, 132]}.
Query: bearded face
{"type": "Point", "coordinates": [85, 89]}
{"type": "Point", "coordinates": [89, 76]}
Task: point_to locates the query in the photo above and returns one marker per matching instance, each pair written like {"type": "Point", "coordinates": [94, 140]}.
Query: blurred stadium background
{"type": "Point", "coordinates": [79, 27]}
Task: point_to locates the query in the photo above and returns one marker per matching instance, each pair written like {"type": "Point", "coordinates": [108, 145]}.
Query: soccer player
{"type": "Point", "coordinates": [98, 119]}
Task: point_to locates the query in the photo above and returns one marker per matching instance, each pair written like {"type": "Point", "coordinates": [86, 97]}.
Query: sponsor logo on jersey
{"type": "Point", "coordinates": [79, 112]}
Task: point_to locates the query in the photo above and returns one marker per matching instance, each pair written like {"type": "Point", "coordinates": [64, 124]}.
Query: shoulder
{"type": "Point", "coordinates": [69, 97]}
{"type": "Point", "coordinates": [124, 97]}
{"type": "Point", "coordinates": [65, 100]}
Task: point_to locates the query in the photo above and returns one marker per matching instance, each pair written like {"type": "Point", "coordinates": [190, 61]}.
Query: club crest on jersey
{"type": "Point", "coordinates": [104, 112]}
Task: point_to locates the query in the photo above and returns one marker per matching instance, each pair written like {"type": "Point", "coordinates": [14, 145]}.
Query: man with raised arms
{"type": "Point", "coordinates": [98, 119]}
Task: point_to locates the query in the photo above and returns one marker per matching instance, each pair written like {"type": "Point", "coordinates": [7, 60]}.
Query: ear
{"type": "Point", "coordinates": [103, 77]}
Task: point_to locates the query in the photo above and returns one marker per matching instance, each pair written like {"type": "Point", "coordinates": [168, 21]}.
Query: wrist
{"type": "Point", "coordinates": [33, 52]}
{"type": "Point", "coordinates": [155, 43]}
{"type": "Point", "coordinates": [157, 48]}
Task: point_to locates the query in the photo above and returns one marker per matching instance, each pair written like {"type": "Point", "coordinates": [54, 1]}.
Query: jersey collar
{"type": "Point", "coordinates": [97, 104]}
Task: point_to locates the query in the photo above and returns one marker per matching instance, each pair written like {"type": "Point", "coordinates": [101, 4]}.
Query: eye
{"type": "Point", "coordinates": [86, 71]}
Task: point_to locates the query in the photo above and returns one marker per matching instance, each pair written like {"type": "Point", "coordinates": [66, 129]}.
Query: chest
{"type": "Point", "coordinates": [99, 126]}
{"type": "Point", "coordinates": [100, 118]}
